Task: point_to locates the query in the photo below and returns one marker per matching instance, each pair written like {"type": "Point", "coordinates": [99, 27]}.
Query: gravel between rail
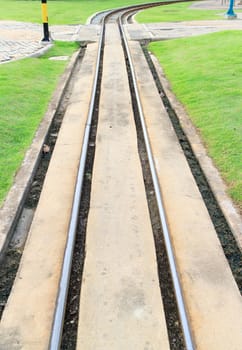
{"type": "Point", "coordinates": [75, 33]}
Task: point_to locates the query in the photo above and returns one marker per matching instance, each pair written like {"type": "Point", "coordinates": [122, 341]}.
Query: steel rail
{"type": "Point", "coordinates": [57, 326]}
{"type": "Point", "coordinates": [171, 257]}
{"type": "Point", "coordinates": [135, 8]}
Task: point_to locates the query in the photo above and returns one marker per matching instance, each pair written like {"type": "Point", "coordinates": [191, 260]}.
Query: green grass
{"type": "Point", "coordinates": [205, 74]}
{"type": "Point", "coordinates": [178, 12]}
{"type": "Point", "coordinates": [26, 87]}
{"type": "Point", "coordinates": [59, 12]}
{"type": "Point", "coordinates": [204, 71]}
{"type": "Point", "coordinates": [23, 102]}
{"type": "Point", "coordinates": [77, 11]}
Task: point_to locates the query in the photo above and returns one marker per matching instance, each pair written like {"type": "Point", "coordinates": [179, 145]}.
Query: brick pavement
{"type": "Point", "coordinates": [19, 39]}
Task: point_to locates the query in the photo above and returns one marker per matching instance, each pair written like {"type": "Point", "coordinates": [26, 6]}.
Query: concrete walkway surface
{"type": "Point", "coordinates": [20, 39]}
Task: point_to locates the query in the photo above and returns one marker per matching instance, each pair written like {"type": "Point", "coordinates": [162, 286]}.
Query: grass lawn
{"type": "Point", "coordinates": [178, 12]}
{"type": "Point", "coordinates": [205, 74]}
{"type": "Point", "coordinates": [26, 87]}
{"type": "Point", "coordinates": [59, 12]}
{"type": "Point", "coordinates": [22, 101]}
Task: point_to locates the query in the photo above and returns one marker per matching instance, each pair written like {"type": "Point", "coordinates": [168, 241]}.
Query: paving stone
{"type": "Point", "coordinates": [20, 39]}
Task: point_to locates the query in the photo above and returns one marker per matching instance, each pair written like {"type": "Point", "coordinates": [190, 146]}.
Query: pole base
{"type": "Point", "coordinates": [230, 16]}
{"type": "Point", "coordinates": [46, 41]}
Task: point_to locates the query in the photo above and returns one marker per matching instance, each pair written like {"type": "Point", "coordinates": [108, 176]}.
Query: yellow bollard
{"type": "Point", "coordinates": [45, 21]}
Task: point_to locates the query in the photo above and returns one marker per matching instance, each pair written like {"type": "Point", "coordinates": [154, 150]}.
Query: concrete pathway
{"type": "Point", "coordinates": [172, 30]}
{"type": "Point", "coordinates": [20, 39]}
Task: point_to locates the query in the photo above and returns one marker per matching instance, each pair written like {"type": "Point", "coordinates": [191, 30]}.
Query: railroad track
{"type": "Point", "coordinates": [119, 302]}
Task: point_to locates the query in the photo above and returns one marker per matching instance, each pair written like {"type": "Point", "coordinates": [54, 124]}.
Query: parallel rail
{"type": "Point", "coordinates": [67, 262]}
{"type": "Point", "coordinates": [190, 278]}
{"type": "Point", "coordinates": [55, 342]}
{"type": "Point", "coordinates": [171, 256]}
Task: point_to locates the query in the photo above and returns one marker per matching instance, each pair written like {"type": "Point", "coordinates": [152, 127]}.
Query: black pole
{"type": "Point", "coordinates": [45, 21]}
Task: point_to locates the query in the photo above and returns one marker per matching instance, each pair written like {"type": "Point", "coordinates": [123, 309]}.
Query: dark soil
{"type": "Point", "coordinates": [227, 240]}
{"type": "Point", "coordinates": [8, 270]}
{"type": "Point", "coordinates": [69, 336]}
{"type": "Point", "coordinates": [72, 311]}
{"type": "Point", "coordinates": [9, 265]}
{"type": "Point", "coordinates": [167, 290]}
{"type": "Point", "coordinates": [166, 286]}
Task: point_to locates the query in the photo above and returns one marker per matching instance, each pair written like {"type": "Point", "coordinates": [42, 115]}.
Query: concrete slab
{"type": "Point", "coordinates": [120, 305]}
{"type": "Point", "coordinates": [88, 32]}
{"type": "Point", "coordinates": [12, 205]}
{"type": "Point", "coordinates": [22, 228]}
{"type": "Point", "coordinates": [213, 177]}
{"type": "Point", "coordinates": [28, 325]}
{"type": "Point", "coordinates": [172, 30]}
{"type": "Point", "coordinates": [211, 295]}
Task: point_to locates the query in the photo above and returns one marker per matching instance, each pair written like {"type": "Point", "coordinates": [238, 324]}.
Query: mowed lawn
{"type": "Point", "coordinates": [59, 12]}
{"type": "Point", "coordinates": [178, 12]}
{"type": "Point", "coordinates": [26, 86]}
{"type": "Point", "coordinates": [204, 72]}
